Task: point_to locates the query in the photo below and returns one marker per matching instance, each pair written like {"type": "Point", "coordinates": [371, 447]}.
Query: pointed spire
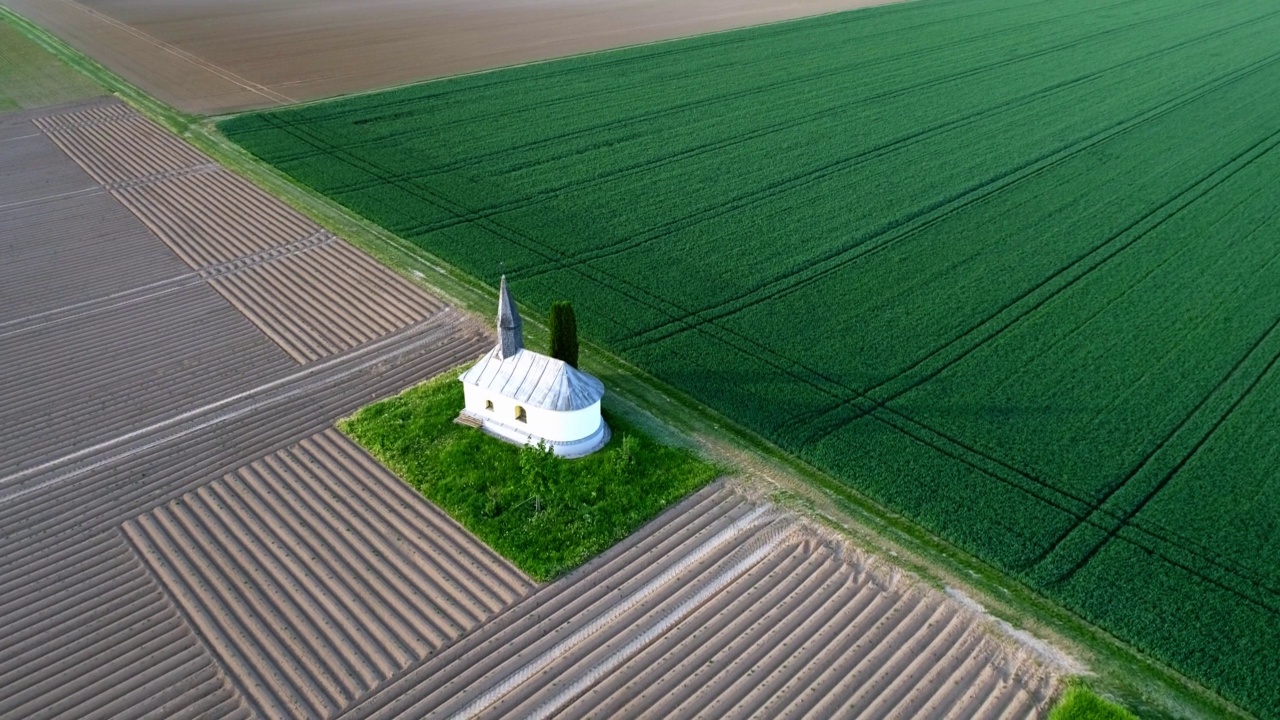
{"type": "Point", "coordinates": [510, 338]}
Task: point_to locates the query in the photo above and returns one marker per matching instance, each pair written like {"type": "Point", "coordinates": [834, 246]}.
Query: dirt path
{"type": "Point", "coordinates": [210, 56]}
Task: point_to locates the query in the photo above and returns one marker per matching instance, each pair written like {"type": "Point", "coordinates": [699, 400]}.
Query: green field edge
{"type": "Point", "coordinates": [1118, 671]}
{"type": "Point", "coordinates": [218, 117]}
{"type": "Point", "coordinates": [1079, 701]}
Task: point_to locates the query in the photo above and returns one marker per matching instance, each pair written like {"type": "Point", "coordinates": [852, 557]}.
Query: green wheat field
{"type": "Point", "coordinates": [1009, 267]}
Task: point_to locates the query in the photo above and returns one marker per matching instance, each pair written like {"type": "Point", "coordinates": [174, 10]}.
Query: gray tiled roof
{"type": "Point", "coordinates": [510, 337]}
{"type": "Point", "coordinates": [535, 380]}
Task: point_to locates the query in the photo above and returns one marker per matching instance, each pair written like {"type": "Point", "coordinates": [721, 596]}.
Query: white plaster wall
{"type": "Point", "coordinates": [549, 424]}
{"type": "Point", "coordinates": [474, 400]}
{"type": "Point", "coordinates": [565, 426]}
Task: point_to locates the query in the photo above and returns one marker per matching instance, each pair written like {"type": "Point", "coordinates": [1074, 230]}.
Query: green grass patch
{"type": "Point", "coordinates": [1005, 267]}
{"type": "Point", "coordinates": [1081, 703]}
{"type": "Point", "coordinates": [30, 77]}
{"type": "Point", "coordinates": [545, 514]}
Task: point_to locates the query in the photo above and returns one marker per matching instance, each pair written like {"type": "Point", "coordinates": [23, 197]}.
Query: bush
{"type": "Point", "coordinates": [1080, 703]}
{"type": "Point", "coordinates": [539, 469]}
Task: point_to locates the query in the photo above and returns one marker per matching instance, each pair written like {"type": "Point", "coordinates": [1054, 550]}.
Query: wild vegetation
{"type": "Point", "coordinates": [544, 513]}
{"type": "Point", "coordinates": [1008, 267]}
{"type": "Point", "coordinates": [1081, 703]}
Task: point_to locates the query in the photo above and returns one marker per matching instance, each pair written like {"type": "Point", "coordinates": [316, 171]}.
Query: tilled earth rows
{"type": "Point", "coordinates": [725, 607]}
{"type": "Point", "coordinates": [167, 356]}
{"type": "Point", "coordinates": [184, 534]}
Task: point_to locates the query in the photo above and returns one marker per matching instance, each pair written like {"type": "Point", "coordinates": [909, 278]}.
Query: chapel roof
{"type": "Point", "coordinates": [535, 380]}
{"type": "Point", "coordinates": [510, 336]}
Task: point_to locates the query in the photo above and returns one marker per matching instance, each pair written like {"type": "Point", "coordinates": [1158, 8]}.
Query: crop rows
{"type": "Point", "coordinates": [1007, 267]}
{"type": "Point", "coordinates": [723, 608]}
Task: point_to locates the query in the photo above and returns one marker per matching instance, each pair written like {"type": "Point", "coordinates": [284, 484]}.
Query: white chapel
{"type": "Point", "coordinates": [525, 397]}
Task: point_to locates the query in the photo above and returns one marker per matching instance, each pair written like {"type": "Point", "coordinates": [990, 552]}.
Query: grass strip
{"type": "Point", "coordinates": [31, 77]}
{"type": "Point", "coordinates": [546, 514]}
{"type": "Point", "coordinates": [1081, 703]}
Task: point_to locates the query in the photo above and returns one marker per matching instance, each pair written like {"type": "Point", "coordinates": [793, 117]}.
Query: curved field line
{"type": "Point", "coordinates": [835, 389]}
{"type": "Point", "coordinates": [817, 76]}
{"type": "Point", "coordinates": [1274, 138]}
{"type": "Point", "coordinates": [725, 39]}
{"type": "Point", "coordinates": [781, 285]}
{"type": "Point", "coordinates": [1129, 514]}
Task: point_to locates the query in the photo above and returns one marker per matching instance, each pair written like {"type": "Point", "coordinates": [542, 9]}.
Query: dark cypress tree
{"type": "Point", "coordinates": [564, 333]}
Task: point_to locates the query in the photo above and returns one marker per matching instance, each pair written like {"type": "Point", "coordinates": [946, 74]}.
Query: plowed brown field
{"type": "Point", "coordinates": [159, 449]}
{"type": "Point", "coordinates": [725, 607]}
{"type": "Point", "coordinates": [213, 56]}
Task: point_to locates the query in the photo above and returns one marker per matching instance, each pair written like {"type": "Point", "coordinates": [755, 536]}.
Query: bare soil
{"type": "Point", "coordinates": [216, 56]}
{"type": "Point", "coordinates": [728, 607]}
{"type": "Point", "coordinates": [140, 410]}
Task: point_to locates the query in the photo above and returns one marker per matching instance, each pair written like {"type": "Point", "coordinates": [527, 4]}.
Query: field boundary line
{"type": "Point", "coordinates": [784, 364]}
{"type": "Point", "coordinates": [841, 256]}
{"type": "Point", "coordinates": [977, 483]}
{"type": "Point", "coordinates": [837, 390]}
{"type": "Point", "coordinates": [305, 135]}
{"type": "Point", "coordinates": [993, 317]}
{"type": "Point", "coordinates": [89, 191]}
{"type": "Point", "coordinates": [692, 105]}
{"type": "Point", "coordinates": [629, 244]}
{"type": "Point", "coordinates": [435, 328]}
{"type": "Point", "coordinates": [205, 65]}
{"type": "Point", "coordinates": [893, 4]}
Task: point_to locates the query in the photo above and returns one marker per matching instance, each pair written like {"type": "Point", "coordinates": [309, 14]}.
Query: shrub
{"type": "Point", "coordinates": [1080, 703]}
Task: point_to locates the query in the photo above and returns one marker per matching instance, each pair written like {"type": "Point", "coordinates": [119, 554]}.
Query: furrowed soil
{"type": "Point", "coordinates": [1007, 267]}
{"type": "Point", "coordinates": [212, 56]}
{"type": "Point", "coordinates": [167, 434]}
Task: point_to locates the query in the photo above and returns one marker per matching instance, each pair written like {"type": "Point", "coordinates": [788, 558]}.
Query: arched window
{"type": "Point", "coordinates": [488, 405]}
{"type": "Point", "coordinates": [520, 414]}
